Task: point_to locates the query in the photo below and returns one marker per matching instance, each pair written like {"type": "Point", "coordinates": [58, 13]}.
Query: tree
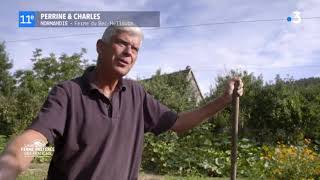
{"type": "Point", "coordinates": [277, 113]}
{"type": "Point", "coordinates": [310, 90]}
{"type": "Point", "coordinates": [33, 85]}
{"type": "Point", "coordinates": [6, 80]}
{"type": "Point", "coordinates": [7, 102]}
{"type": "Point", "coordinates": [51, 70]}
{"type": "Point", "coordinates": [253, 87]}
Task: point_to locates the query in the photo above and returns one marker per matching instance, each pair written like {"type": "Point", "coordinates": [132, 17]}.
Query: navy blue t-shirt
{"type": "Point", "coordinates": [96, 137]}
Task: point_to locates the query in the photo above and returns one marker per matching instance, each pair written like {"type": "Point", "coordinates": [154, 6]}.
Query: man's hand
{"type": "Point", "coordinates": [231, 85]}
{"type": "Point", "coordinates": [191, 119]}
{"type": "Point", "coordinates": [9, 168]}
{"type": "Point", "coordinates": [12, 160]}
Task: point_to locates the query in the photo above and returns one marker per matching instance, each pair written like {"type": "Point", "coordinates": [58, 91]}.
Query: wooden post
{"type": "Point", "coordinates": [235, 122]}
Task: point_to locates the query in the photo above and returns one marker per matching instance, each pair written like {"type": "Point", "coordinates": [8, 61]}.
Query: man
{"type": "Point", "coordinates": [97, 121]}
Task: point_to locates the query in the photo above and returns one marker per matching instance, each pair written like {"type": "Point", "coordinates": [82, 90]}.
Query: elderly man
{"type": "Point", "coordinates": [97, 121]}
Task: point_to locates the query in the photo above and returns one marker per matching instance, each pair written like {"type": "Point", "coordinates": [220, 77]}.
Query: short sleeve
{"type": "Point", "coordinates": [51, 118]}
{"type": "Point", "coordinates": [158, 118]}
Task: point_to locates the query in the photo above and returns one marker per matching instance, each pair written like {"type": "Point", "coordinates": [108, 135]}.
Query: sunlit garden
{"type": "Point", "coordinates": [279, 130]}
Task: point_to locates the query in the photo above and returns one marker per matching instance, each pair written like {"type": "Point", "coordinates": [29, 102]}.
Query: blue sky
{"type": "Point", "coordinates": [267, 48]}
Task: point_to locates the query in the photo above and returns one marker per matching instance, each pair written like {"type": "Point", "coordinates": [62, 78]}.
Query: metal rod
{"type": "Point", "coordinates": [235, 122]}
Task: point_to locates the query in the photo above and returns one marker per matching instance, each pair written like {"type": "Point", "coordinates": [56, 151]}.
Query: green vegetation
{"type": "Point", "coordinates": [35, 172]}
{"type": "Point", "coordinates": [279, 122]}
{"type": "Point", "coordinates": [39, 172]}
{"type": "Point", "coordinates": [274, 117]}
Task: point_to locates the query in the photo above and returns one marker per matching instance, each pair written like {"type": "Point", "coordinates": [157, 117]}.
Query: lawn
{"type": "Point", "coordinates": [35, 172]}
{"type": "Point", "coordinates": [39, 172]}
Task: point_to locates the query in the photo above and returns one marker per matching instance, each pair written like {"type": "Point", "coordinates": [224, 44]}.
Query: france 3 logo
{"type": "Point", "coordinates": [296, 17]}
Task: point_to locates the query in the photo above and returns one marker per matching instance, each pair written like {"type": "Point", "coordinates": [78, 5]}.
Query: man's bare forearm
{"type": "Point", "coordinates": [189, 120]}
{"type": "Point", "coordinates": [12, 160]}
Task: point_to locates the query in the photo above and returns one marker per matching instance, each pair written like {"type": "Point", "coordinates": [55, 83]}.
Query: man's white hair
{"type": "Point", "coordinates": [115, 29]}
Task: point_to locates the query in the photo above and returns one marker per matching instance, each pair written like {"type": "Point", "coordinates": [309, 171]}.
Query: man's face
{"type": "Point", "coordinates": [120, 54]}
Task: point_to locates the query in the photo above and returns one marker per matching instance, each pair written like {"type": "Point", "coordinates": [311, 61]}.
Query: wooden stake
{"type": "Point", "coordinates": [235, 122]}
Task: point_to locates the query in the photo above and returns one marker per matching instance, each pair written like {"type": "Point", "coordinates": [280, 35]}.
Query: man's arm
{"type": "Point", "coordinates": [191, 119]}
{"type": "Point", "coordinates": [12, 160]}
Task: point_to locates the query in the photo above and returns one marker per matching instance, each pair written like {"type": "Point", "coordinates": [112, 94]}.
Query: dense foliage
{"type": "Point", "coordinates": [20, 102]}
{"type": "Point", "coordinates": [280, 112]}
